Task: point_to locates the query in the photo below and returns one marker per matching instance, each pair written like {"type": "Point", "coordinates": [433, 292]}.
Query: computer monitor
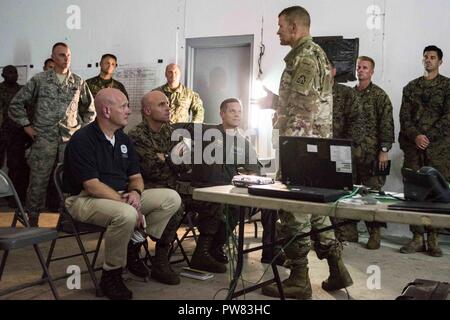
{"type": "Point", "coordinates": [317, 162]}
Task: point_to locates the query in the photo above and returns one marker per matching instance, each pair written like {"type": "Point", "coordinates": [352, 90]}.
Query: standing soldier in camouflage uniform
{"type": "Point", "coordinates": [62, 104]}
{"type": "Point", "coordinates": [48, 64]}
{"type": "Point", "coordinates": [108, 64]}
{"type": "Point", "coordinates": [378, 137]}
{"type": "Point", "coordinates": [183, 101]}
{"type": "Point", "coordinates": [348, 123]}
{"type": "Point", "coordinates": [13, 141]}
{"type": "Point", "coordinates": [425, 134]}
{"type": "Point", "coordinates": [305, 109]}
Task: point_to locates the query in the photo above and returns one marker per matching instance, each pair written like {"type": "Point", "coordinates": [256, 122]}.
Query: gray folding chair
{"type": "Point", "coordinates": [71, 228]}
{"type": "Point", "coordinates": [15, 238]}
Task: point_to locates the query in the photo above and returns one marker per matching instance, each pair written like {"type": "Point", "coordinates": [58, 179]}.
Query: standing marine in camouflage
{"type": "Point", "coordinates": [184, 102]}
{"type": "Point", "coordinates": [378, 137]}
{"type": "Point", "coordinates": [348, 123]}
{"type": "Point", "coordinates": [13, 141]}
{"type": "Point", "coordinates": [108, 64]}
{"type": "Point", "coordinates": [425, 134]}
{"type": "Point", "coordinates": [62, 104]}
{"type": "Point", "coordinates": [305, 109]}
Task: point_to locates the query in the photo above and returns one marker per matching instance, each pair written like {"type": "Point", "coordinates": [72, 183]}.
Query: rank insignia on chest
{"type": "Point", "coordinates": [301, 80]}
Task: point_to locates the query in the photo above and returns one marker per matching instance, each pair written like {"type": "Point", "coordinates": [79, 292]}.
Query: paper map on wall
{"type": "Point", "coordinates": [138, 80]}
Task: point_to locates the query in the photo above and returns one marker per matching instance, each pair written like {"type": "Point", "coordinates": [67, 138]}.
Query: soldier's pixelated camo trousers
{"type": "Point", "coordinates": [325, 243]}
{"type": "Point", "coordinates": [44, 152]}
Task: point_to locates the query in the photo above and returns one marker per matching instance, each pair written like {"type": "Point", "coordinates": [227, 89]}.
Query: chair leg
{"type": "Point", "coordinates": [49, 256]}
{"type": "Point", "coordinates": [185, 257]}
{"type": "Point", "coordinates": [2, 265]}
{"type": "Point", "coordinates": [148, 257]}
{"type": "Point", "coordinates": [88, 264]}
{"type": "Point", "coordinates": [97, 249]}
{"type": "Point", "coordinates": [47, 273]}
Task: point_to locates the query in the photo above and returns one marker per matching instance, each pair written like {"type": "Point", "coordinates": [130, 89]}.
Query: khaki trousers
{"type": "Point", "coordinates": [157, 205]}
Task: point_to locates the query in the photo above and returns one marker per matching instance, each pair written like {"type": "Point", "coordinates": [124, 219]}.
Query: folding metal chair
{"type": "Point", "coordinates": [72, 228]}
{"type": "Point", "coordinates": [15, 238]}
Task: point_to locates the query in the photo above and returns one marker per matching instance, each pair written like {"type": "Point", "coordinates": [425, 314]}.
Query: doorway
{"type": "Point", "coordinates": [219, 68]}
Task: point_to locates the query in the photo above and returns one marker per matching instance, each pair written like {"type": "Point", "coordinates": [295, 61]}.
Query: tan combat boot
{"type": "Point", "coordinates": [417, 244]}
{"type": "Point", "coordinates": [297, 286]}
{"type": "Point", "coordinates": [433, 244]}
{"type": "Point", "coordinates": [374, 239]}
{"type": "Point", "coordinates": [339, 276]}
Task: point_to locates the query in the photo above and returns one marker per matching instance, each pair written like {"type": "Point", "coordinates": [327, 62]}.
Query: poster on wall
{"type": "Point", "coordinates": [138, 80]}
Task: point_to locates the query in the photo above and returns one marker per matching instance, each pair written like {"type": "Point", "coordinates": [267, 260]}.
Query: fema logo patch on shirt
{"type": "Point", "coordinates": [124, 150]}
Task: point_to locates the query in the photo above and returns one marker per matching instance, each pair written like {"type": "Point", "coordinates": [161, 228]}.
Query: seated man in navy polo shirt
{"type": "Point", "coordinates": [101, 172]}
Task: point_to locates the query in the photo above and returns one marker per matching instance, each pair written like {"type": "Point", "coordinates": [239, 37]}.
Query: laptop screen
{"type": "Point", "coordinates": [317, 162]}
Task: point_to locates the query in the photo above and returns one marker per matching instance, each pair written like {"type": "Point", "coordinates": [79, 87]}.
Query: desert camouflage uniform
{"type": "Point", "coordinates": [96, 84]}
{"type": "Point", "coordinates": [183, 101]}
{"type": "Point", "coordinates": [305, 109]}
{"type": "Point", "coordinates": [60, 109]}
{"type": "Point", "coordinates": [425, 110]}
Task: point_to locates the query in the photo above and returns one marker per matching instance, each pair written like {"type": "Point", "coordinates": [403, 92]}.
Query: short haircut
{"type": "Point", "coordinates": [369, 59]}
{"type": "Point", "coordinates": [9, 68]}
{"type": "Point", "coordinates": [296, 13]}
{"type": "Point", "coordinates": [223, 105]}
{"type": "Point", "coordinates": [108, 55]}
{"type": "Point", "coordinates": [62, 44]}
{"type": "Point", "coordinates": [48, 60]}
{"type": "Point", "coordinates": [435, 49]}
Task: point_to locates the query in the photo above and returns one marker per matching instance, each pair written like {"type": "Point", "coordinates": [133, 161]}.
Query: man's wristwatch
{"type": "Point", "coordinates": [384, 149]}
{"type": "Point", "coordinates": [139, 192]}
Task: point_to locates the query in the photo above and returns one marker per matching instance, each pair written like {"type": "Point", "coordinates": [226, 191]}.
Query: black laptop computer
{"type": "Point", "coordinates": [312, 169]}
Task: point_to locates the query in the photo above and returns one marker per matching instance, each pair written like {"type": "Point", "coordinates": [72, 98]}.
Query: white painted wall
{"type": "Point", "coordinates": [142, 31]}
{"type": "Point", "coordinates": [136, 31]}
{"type": "Point", "coordinates": [407, 26]}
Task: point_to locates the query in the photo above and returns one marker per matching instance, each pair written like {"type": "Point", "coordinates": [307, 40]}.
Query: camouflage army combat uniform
{"type": "Point", "coordinates": [60, 109]}
{"type": "Point", "coordinates": [305, 109]}
{"type": "Point", "coordinates": [96, 84]}
{"type": "Point", "coordinates": [379, 132]}
{"type": "Point", "coordinates": [425, 110]}
{"type": "Point", "coordinates": [348, 123]}
{"type": "Point", "coordinates": [183, 101]}
{"type": "Point", "coordinates": [159, 173]}
{"type": "Point", "coordinates": [13, 143]}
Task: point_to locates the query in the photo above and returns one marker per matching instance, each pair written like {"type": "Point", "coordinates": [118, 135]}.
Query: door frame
{"type": "Point", "coordinates": [220, 42]}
